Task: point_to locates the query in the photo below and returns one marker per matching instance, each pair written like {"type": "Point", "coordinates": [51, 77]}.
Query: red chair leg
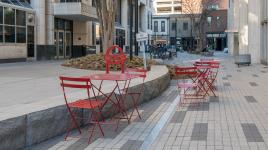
{"type": "Point", "coordinates": [74, 123]}
{"type": "Point", "coordinates": [135, 104]}
{"type": "Point", "coordinates": [91, 133]}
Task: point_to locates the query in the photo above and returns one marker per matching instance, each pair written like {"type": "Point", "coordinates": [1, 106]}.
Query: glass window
{"type": "Point", "coordinates": [155, 26]}
{"type": "Point", "coordinates": [209, 19]}
{"type": "Point", "coordinates": [177, 2]}
{"type": "Point", "coordinates": [68, 25]}
{"type": "Point", "coordinates": [6, 1]}
{"type": "Point", "coordinates": [164, 9]}
{"type": "Point", "coordinates": [9, 16]}
{"type": "Point", "coordinates": [61, 24]}
{"type": "Point", "coordinates": [163, 26]}
{"type": "Point", "coordinates": [173, 26]}
{"type": "Point", "coordinates": [15, 2]}
{"type": "Point", "coordinates": [30, 34]}
{"type": "Point", "coordinates": [56, 23]}
{"type": "Point", "coordinates": [26, 3]}
{"type": "Point", "coordinates": [185, 26]}
{"type": "Point", "coordinates": [9, 34]}
{"type": "Point", "coordinates": [148, 20]}
{"type": "Point", "coordinates": [177, 9]}
{"type": "Point", "coordinates": [118, 13]}
{"type": "Point", "coordinates": [20, 18]}
{"type": "Point", "coordinates": [1, 15]}
{"type": "Point", "coordinates": [1, 33]}
{"type": "Point", "coordinates": [21, 35]}
{"type": "Point", "coordinates": [218, 22]}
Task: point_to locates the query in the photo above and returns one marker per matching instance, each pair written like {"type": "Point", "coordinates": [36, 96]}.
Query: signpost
{"type": "Point", "coordinates": [143, 37]}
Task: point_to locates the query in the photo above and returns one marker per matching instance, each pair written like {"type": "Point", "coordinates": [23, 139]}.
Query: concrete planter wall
{"type": "Point", "coordinates": [33, 128]}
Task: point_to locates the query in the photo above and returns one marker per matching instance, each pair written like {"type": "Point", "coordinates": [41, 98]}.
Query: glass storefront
{"type": "Point", "coordinates": [63, 36]}
{"type": "Point", "coordinates": [120, 37]}
{"type": "Point", "coordinates": [12, 25]}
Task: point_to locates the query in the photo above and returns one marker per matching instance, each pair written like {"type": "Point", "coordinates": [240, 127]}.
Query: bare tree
{"type": "Point", "coordinates": [192, 9]}
{"type": "Point", "coordinates": [106, 11]}
{"type": "Point", "coordinates": [198, 11]}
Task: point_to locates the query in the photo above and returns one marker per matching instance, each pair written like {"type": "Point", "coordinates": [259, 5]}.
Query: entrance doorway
{"type": "Point", "coordinates": [63, 42]}
{"type": "Point", "coordinates": [219, 44]}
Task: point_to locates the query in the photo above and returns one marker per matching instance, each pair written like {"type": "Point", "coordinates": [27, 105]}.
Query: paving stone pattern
{"type": "Point", "coordinates": [214, 99]}
{"type": "Point", "coordinates": [204, 106]}
{"type": "Point", "coordinates": [200, 132]}
{"type": "Point", "coordinates": [250, 99]}
{"type": "Point", "coordinates": [227, 84]}
{"type": "Point", "coordinates": [178, 117]}
{"type": "Point", "coordinates": [234, 120]}
{"type": "Point", "coordinates": [252, 132]}
{"type": "Point", "coordinates": [255, 75]}
{"type": "Point", "coordinates": [131, 145]}
{"type": "Point", "coordinates": [253, 84]}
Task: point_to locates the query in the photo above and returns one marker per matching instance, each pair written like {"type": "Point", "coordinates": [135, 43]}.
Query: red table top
{"type": "Point", "coordinates": [112, 77]}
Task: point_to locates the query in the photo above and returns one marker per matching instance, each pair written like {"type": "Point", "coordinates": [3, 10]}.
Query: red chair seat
{"type": "Point", "coordinates": [86, 104]}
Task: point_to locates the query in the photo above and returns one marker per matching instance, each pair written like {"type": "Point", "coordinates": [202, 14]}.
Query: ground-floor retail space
{"type": "Point", "coordinates": [217, 41]}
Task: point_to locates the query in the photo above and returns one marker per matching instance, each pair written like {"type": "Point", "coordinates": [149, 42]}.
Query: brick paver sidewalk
{"type": "Point", "coordinates": [236, 119]}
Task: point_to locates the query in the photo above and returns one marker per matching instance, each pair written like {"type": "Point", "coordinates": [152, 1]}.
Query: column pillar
{"type": "Point", "coordinates": [40, 20]}
{"type": "Point", "coordinates": [254, 28]}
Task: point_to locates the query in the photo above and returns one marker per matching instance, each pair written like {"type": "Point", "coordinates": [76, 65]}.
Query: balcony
{"type": "Point", "coordinates": [77, 11]}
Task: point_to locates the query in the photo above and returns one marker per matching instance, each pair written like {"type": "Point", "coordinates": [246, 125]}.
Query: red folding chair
{"type": "Point", "coordinates": [112, 58]}
{"type": "Point", "coordinates": [208, 74]}
{"type": "Point", "coordinates": [135, 96]}
{"type": "Point", "coordinates": [189, 89]}
{"type": "Point", "coordinates": [94, 105]}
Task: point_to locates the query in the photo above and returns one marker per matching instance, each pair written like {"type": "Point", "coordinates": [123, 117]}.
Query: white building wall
{"type": "Point", "coordinates": [81, 32]}
{"type": "Point", "coordinates": [40, 10]}
{"type": "Point", "coordinates": [244, 21]}
{"type": "Point", "coordinates": [49, 22]}
{"type": "Point", "coordinates": [243, 27]}
{"type": "Point", "coordinates": [254, 28]}
{"type": "Point", "coordinates": [159, 20]}
{"type": "Point", "coordinates": [124, 19]}
{"type": "Point", "coordinates": [12, 51]}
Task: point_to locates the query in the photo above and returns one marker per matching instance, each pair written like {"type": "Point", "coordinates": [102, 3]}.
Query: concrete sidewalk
{"type": "Point", "coordinates": [23, 83]}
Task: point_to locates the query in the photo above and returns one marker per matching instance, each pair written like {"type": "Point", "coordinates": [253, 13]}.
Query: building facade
{"type": "Point", "coordinates": [61, 29]}
{"type": "Point", "coordinates": [216, 26]}
{"type": "Point", "coordinates": [17, 26]}
{"type": "Point", "coordinates": [183, 25]}
{"type": "Point", "coordinates": [161, 29]}
{"type": "Point", "coordinates": [182, 31]}
{"type": "Point", "coordinates": [165, 7]}
{"type": "Point", "coordinates": [247, 29]}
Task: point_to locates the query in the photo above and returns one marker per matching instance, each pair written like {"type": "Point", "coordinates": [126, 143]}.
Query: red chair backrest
{"type": "Point", "coordinates": [137, 71]}
{"type": "Point", "coordinates": [186, 71]}
{"type": "Point", "coordinates": [74, 83]}
{"type": "Point", "coordinates": [115, 59]}
{"type": "Point", "coordinates": [215, 64]}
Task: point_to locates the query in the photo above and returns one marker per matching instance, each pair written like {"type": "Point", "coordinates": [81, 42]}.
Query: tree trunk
{"type": "Point", "coordinates": [106, 11]}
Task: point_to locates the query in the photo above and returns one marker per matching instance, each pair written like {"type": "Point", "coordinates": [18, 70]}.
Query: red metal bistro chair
{"type": "Point", "coordinates": [186, 86]}
{"type": "Point", "coordinates": [208, 75]}
{"type": "Point", "coordinates": [94, 105]}
{"type": "Point", "coordinates": [115, 58]}
{"type": "Point", "coordinates": [137, 94]}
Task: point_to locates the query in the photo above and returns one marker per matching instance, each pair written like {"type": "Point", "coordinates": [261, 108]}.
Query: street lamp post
{"type": "Point", "coordinates": [136, 26]}
{"type": "Point", "coordinates": [130, 29]}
